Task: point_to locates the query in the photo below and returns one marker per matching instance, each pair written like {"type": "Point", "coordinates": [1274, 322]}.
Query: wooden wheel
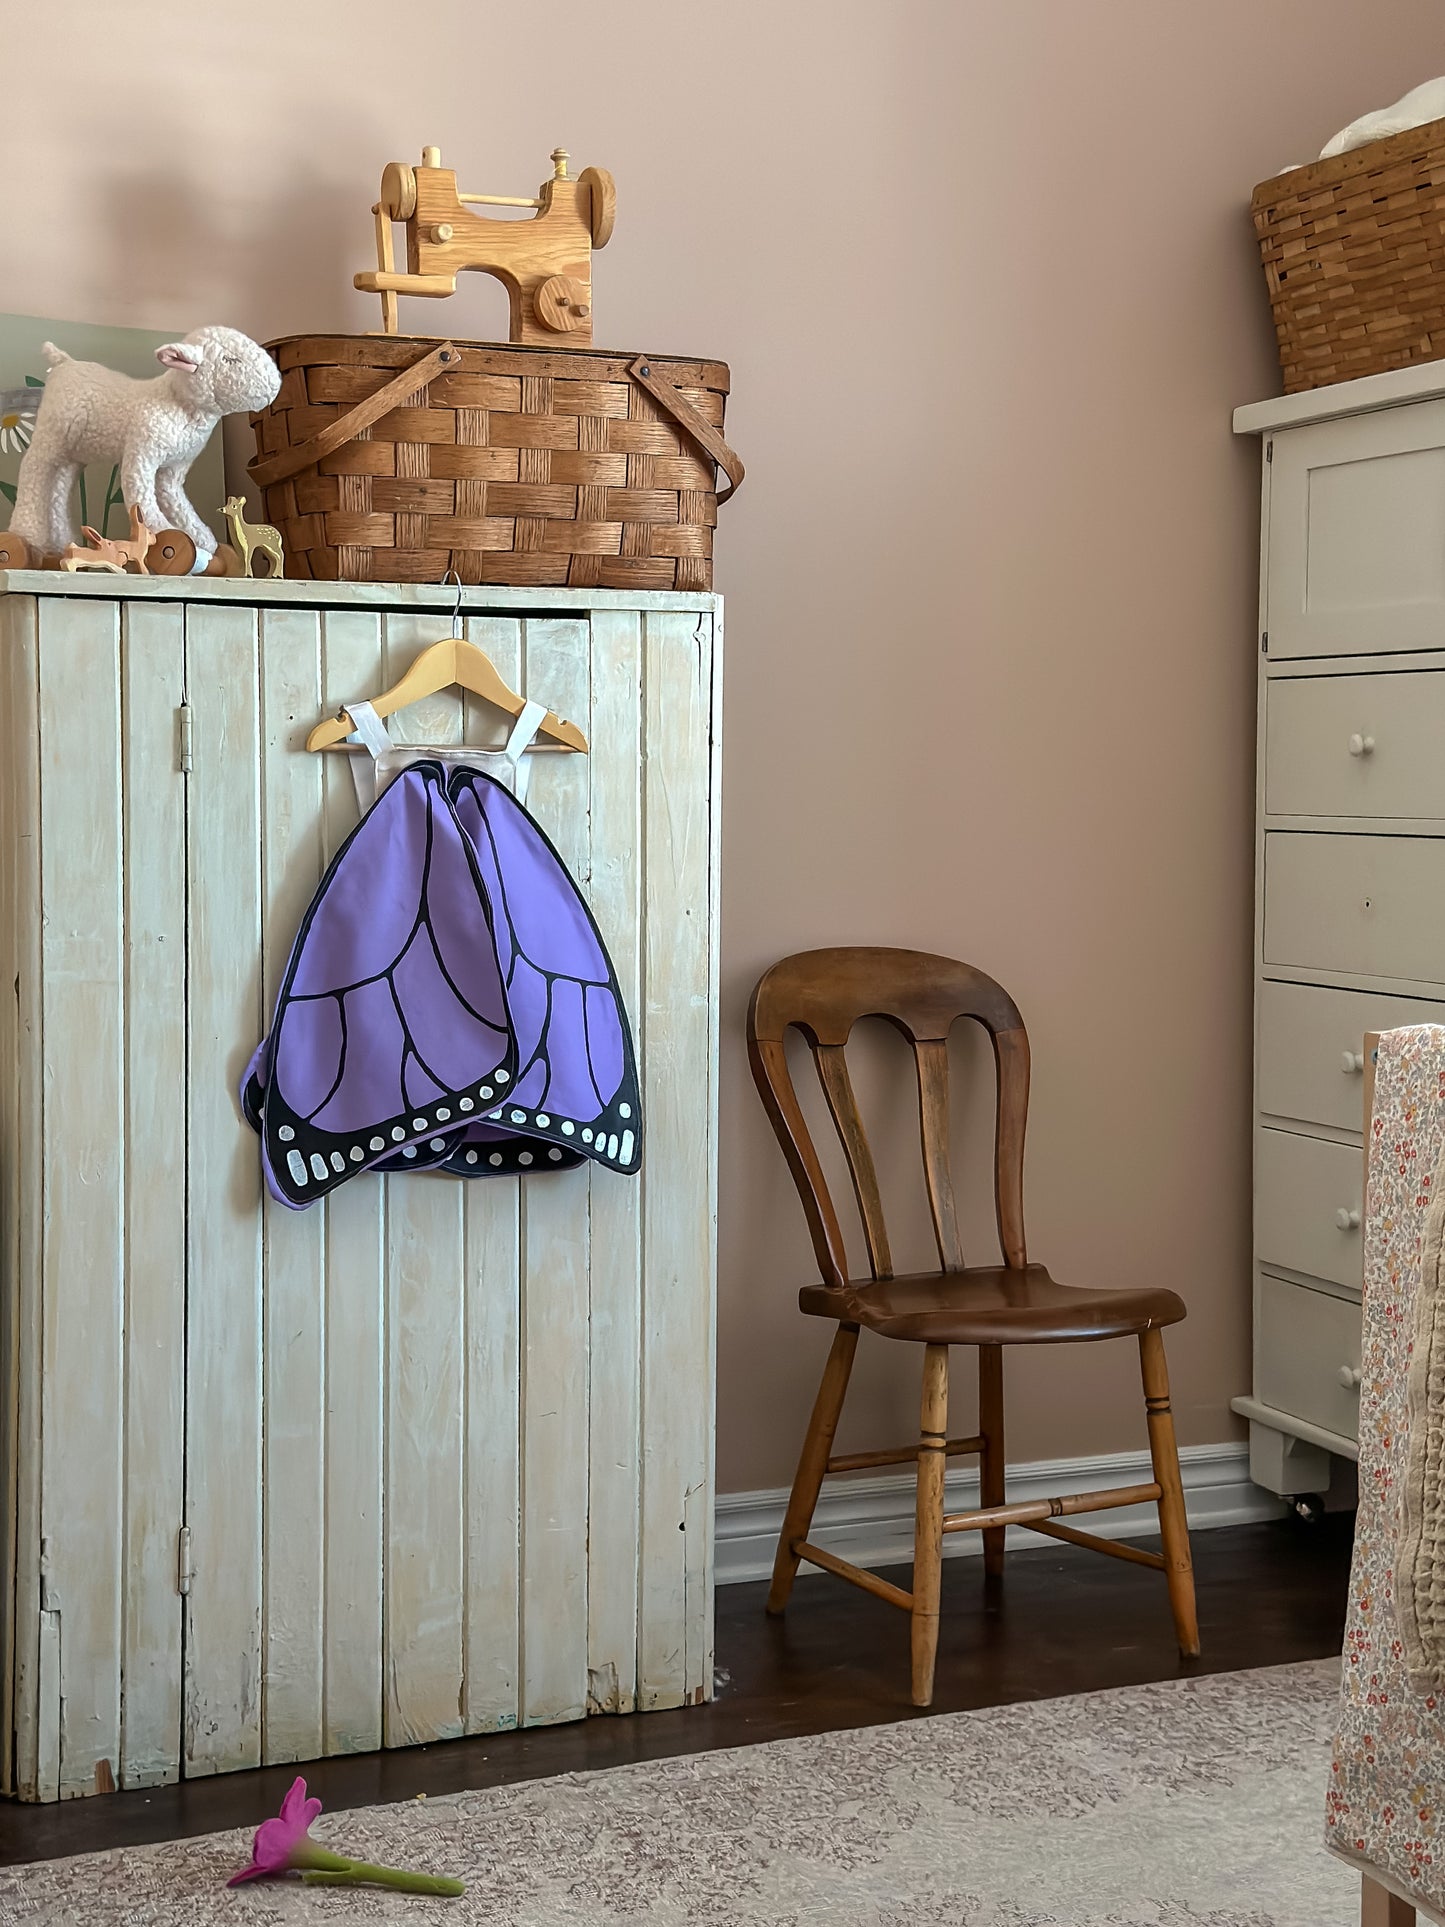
{"type": "Point", "coordinates": [562, 305]}
{"type": "Point", "coordinates": [16, 552]}
{"type": "Point", "coordinates": [604, 203]}
{"type": "Point", "coordinates": [398, 191]}
{"type": "Point", "coordinates": [172, 553]}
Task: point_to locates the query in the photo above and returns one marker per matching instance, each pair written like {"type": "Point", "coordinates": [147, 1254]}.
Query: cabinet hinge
{"type": "Point", "coordinates": [48, 1602]}
{"type": "Point", "coordinates": [1269, 451]}
{"type": "Point", "coordinates": [184, 1568]}
{"type": "Point", "coordinates": [183, 739]}
{"type": "Point", "coordinates": [1264, 643]}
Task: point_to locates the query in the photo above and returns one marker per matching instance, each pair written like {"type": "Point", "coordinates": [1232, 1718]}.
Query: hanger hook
{"type": "Point", "coordinates": [452, 576]}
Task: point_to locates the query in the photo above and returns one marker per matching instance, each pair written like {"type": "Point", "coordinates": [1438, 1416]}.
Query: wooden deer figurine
{"type": "Point", "coordinates": [258, 538]}
{"type": "Point", "coordinates": [96, 552]}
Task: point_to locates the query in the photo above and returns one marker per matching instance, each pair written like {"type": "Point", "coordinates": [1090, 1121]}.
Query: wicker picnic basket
{"type": "Point", "coordinates": [1354, 255]}
{"type": "Point", "coordinates": [387, 458]}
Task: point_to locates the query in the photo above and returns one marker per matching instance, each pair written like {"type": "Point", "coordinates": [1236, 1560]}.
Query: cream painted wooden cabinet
{"type": "Point", "coordinates": [434, 1458]}
{"type": "Point", "coordinates": [1350, 863]}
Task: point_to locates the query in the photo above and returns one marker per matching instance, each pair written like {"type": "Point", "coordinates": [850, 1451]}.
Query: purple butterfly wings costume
{"type": "Point", "coordinates": [448, 1003]}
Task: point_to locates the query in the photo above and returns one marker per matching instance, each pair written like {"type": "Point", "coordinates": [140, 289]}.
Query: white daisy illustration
{"type": "Point", "coordinates": [15, 430]}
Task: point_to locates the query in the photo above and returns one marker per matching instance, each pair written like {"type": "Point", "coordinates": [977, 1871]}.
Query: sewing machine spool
{"type": "Point", "coordinates": [545, 264]}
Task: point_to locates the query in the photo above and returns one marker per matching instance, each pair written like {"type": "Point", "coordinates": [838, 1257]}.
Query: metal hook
{"type": "Point", "coordinates": [452, 576]}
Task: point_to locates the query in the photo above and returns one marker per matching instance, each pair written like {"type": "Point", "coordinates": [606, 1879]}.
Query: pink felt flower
{"type": "Point", "coordinates": [285, 1842]}
{"type": "Point", "coordinates": [284, 1845]}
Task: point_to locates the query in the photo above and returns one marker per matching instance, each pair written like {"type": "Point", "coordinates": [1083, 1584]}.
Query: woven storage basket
{"type": "Point", "coordinates": [391, 459]}
{"type": "Point", "coordinates": [1354, 254]}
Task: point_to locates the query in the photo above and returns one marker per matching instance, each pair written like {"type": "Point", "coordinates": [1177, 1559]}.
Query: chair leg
{"type": "Point", "coordinates": [1173, 1525]}
{"type": "Point", "coordinates": [812, 1463]}
{"type": "Point", "coordinates": [928, 1529]}
{"type": "Point", "coordinates": [991, 1459]}
{"type": "Point", "coordinates": [1380, 1908]}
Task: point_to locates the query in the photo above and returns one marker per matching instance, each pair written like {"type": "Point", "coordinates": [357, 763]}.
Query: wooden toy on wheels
{"type": "Point", "coordinates": [170, 553]}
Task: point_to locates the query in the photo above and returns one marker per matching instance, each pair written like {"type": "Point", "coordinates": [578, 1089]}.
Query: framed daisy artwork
{"type": "Point", "coordinates": [22, 383]}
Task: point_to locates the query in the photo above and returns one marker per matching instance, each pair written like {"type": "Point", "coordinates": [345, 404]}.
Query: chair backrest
{"type": "Point", "coordinates": [822, 994]}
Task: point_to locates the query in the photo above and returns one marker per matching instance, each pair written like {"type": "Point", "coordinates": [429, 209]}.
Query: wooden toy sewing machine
{"type": "Point", "coordinates": [545, 264]}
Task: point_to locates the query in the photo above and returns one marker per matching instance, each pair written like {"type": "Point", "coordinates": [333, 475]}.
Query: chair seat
{"type": "Point", "coordinates": [990, 1305]}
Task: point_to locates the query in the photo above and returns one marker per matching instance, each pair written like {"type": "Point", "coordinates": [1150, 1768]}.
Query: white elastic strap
{"type": "Point", "coordinates": [528, 721]}
{"type": "Point", "coordinates": [370, 731]}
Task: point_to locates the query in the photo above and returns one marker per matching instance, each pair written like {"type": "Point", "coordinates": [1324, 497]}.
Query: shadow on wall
{"type": "Point", "coordinates": [152, 227]}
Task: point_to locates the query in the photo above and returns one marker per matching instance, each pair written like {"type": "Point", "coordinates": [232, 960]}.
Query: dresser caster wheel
{"type": "Point", "coordinates": [1308, 1507]}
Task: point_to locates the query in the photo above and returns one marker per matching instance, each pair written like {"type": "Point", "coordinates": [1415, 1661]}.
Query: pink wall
{"type": "Point", "coordinates": [986, 281]}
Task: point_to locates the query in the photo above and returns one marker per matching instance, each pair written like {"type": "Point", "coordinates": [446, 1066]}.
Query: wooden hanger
{"type": "Point", "coordinates": [452, 663]}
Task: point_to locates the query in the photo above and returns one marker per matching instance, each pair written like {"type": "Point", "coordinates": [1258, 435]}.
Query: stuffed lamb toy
{"type": "Point", "coordinates": [153, 429]}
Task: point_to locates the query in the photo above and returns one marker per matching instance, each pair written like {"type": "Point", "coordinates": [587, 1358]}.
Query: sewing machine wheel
{"type": "Point", "coordinates": [604, 202]}
{"type": "Point", "coordinates": [398, 190]}
{"type": "Point", "coordinates": [561, 304]}
{"type": "Point", "coordinates": [172, 553]}
{"type": "Point", "coordinates": [16, 553]}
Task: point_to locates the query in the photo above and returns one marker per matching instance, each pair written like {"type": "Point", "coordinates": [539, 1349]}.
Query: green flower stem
{"type": "Point", "coordinates": [308, 1854]}
{"type": "Point", "coordinates": [360, 1872]}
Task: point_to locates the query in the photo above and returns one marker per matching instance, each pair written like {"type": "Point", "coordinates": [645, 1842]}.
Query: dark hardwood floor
{"type": "Point", "coordinates": [1063, 1621]}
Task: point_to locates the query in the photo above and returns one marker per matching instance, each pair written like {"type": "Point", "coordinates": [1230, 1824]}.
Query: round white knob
{"type": "Point", "coordinates": [1351, 1061]}
{"type": "Point", "coordinates": [1362, 745]}
{"type": "Point", "coordinates": [1350, 1377]}
{"type": "Point", "coordinates": [1347, 1220]}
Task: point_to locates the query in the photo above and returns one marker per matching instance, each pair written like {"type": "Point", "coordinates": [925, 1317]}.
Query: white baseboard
{"type": "Point", "coordinates": [870, 1520]}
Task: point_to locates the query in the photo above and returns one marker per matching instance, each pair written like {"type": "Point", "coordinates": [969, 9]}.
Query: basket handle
{"type": "Point", "coordinates": [696, 424]}
{"type": "Point", "coordinates": [291, 461]}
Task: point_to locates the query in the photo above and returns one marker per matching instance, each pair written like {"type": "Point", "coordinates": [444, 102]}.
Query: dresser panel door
{"type": "Point", "coordinates": [1357, 535]}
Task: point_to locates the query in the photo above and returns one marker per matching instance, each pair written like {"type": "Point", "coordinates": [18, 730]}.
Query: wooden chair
{"type": "Point", "coordinates": [822, 993]}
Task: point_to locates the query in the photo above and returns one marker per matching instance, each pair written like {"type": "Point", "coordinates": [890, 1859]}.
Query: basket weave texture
{"type": "Point", "coordinates": [512, 465]}
{"type": "Point", "coordinates": [1354, 255]}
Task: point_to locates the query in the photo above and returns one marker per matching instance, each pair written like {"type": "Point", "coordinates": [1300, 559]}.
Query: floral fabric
{"type": "Point", "coordinates": [1387, 1781]}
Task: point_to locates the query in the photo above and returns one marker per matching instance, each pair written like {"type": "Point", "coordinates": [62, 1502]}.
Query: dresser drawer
{"type": "Point", "coordinates": [1309, 1354]}
{"type": "Point", "coordinates": [1355, 745]}
{"type": "Point", "coordinates": [1311, 1061]}
{"type": "Point", "coordinates": [1307, 1195]}
{"type": "Point", "coordinates": [1372, 906]}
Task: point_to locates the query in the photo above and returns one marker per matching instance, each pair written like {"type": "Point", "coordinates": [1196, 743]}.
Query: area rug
{"type": "Point", "coordinates": [1195, 1803]}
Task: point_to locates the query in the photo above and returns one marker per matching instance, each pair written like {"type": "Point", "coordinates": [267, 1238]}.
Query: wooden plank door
{"type": "Point", "coordinates": [481, 1492]}
{"type": "Point", "coordinates": [678, 1020]}
{"type": "Point", "coordinates": [224, 1482]}
{"type": "Point", "coordinates": [99, 1271]}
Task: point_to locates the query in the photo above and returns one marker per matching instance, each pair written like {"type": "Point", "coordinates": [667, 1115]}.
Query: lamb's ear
{"type": "Point", "coordinates": [179, 354]}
